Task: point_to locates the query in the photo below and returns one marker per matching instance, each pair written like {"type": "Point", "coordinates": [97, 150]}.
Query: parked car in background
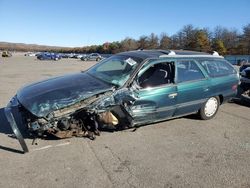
{"type": "Point", "coordinates": [75, 56]}
{"type": "Point", "coordinates": [6, 54]}
{"type": "Point", "coordinates": [245, 83]}
{"type": "Point", "coordinates": [126, 90]}
{"type": "Point", "coordinates": [92, 57]}
{"type": "Point", "coordinates": [244, 66]}
{"type": "Point", "coordinates": [48, 56]}
{"type": "Point", "coordinates": [31, 54]}
{"type": "Point", "coordinates": [63, 55]}
{"type": "Point", "coordinates": [38, 53]}
{"type": "Point", "coordinates": [71, 55]}
{"type": "Point", "coordinates": [104, 56]}
{"type": "Point", "coordinates": [79, 56]}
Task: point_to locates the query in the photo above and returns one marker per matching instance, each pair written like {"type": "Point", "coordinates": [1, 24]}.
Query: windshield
{"type": "Point", "coordinates": [116, 69]}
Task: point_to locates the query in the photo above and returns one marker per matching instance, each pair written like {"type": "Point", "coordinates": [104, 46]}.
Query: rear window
{"type": "Point", "coordinates": [217, 68]}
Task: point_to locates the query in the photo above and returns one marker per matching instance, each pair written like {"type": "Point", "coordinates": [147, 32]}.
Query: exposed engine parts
{"type": "Point", "coordinates": [80, 124]}
{"type": "Point", "coordinates": [66, 127]}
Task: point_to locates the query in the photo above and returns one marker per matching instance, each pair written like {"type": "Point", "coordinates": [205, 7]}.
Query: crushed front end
{"type": "Point", "coordinates": [108, 110]}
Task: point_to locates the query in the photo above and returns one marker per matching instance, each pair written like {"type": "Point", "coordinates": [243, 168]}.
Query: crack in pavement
{"type": "Point", "coordinates": [102, 165]}
{"type": "Point", "coordinates": [131, 175]}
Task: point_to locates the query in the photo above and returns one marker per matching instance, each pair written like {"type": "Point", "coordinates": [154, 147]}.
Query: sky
{"type": "Point", "coordinates": [76, 23]}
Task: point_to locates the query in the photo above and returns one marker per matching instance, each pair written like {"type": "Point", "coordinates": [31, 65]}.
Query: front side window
{"type": "Point", "coordinates": [217, 68]}
{"type": "Point", "coordinates": [157, 74]}
{"type": "Point", "coordinates": [188, 71]}
{"type": "Point", "coordinates": [116, 69]}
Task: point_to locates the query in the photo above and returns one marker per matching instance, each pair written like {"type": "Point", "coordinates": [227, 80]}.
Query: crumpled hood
{"type": "Point", "coordinates": [43, 97]}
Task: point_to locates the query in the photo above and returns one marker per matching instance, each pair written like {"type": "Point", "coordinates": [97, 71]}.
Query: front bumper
{"type": "Point", "coordinates": [9, 115]}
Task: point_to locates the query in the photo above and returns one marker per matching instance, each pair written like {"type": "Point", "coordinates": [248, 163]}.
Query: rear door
{"type": "Point", "coordinates": [192, 87]}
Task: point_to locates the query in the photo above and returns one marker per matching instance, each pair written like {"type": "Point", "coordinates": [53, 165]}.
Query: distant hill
{"type": "Point", "coordinates": [29, 47]}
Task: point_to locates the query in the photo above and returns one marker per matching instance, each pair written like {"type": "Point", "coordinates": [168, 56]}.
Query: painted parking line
{"type": "Point", "coordinates": [50, 146]}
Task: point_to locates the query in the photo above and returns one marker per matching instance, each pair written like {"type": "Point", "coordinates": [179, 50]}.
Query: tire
{"type": "Point", "coordinates": [56, 59]}
{"type": "Point", "coordinates": [210, 108]}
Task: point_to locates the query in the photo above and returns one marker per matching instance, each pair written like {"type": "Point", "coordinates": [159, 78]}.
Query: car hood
{"type": "Point", "coordinates": [43, 97]}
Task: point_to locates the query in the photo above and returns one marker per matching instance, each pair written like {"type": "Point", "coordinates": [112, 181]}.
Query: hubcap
{"type": "Point", "coordinates": [211, 107]}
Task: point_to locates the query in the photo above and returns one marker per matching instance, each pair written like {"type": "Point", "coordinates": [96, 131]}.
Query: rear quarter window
{"type": "Point", "coordinates": [217, 68]}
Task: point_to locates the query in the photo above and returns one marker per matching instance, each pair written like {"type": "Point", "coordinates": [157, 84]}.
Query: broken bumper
{"type": "Point", "coordinates": [13, 124]}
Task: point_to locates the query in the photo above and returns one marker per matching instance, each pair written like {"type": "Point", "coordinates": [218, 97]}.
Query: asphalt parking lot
{"type": "Point", "coordinates": [184, 152]}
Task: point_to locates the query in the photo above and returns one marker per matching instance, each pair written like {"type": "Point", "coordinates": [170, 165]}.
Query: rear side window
{"type": "Point", "coordinates": [188, 71]}
{"type": "Point", "coordinates": [217, 68]}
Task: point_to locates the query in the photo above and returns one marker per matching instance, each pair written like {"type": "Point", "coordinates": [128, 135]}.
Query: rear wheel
{"type": "Point", "coordinates": [210, 108]}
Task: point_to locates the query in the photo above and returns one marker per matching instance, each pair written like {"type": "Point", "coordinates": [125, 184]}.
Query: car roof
{"type": "Point", "coordinates": [145, 54]}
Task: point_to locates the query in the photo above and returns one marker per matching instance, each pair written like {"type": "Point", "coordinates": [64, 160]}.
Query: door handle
{"type": "Point", "coordinates": [172, 95]}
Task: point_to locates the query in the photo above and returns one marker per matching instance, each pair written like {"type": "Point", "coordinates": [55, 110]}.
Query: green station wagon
{"type": "Point", "coordinates": [126, 90]}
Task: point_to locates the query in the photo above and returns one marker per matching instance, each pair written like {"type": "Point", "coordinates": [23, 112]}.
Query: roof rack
{"type": "Point", "coordinates": [171, 52]}
{"type": "Point", "coordinates": [167, 53]}
{"type": "Point", "coordinates": [215, 53]}
{"type": "Point", "coordinates": [185, 53]}
{"type": "Point", "coordinates": [158, 53]}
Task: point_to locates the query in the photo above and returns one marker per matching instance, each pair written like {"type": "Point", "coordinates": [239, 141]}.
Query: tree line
{"type": "Point", "coordinates": [220, 39]}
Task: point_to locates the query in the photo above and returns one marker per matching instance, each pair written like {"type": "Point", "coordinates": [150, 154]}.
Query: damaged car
{"type": "Point", "coordinates": [126, 90]}
{"type": "Point", "coordinates": [245, 83]}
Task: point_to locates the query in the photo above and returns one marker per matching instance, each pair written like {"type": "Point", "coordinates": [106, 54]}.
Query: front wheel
{"type": "Point", "coordinates": [210, 108]}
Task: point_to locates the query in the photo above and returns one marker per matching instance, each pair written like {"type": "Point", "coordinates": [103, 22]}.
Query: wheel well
{"type": "Point", "coordinates": [221, 99]}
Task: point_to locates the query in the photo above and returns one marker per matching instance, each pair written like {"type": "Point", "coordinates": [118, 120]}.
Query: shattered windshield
{"type": "Point", "coordinates": [115, 70]}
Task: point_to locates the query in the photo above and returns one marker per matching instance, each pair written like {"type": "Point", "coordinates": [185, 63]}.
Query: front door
{"type": "Point", "coordinates": [156, 94]}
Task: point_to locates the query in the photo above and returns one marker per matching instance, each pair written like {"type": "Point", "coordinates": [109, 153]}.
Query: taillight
{"type": "Point", "coordinates": [234, 87]}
